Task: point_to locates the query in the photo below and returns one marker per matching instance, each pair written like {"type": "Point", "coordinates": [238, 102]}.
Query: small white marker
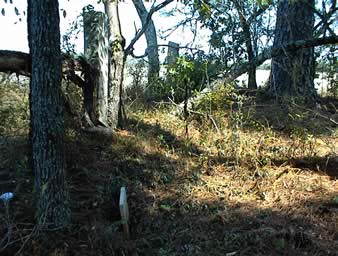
{"type": "Point", "coordinates": [124, 211]}
{"type": "Point", "coordinates": [7, 196]}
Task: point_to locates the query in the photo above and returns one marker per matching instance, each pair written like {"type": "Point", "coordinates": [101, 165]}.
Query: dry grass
{"type": "Point", "coordinates": [253, 189]}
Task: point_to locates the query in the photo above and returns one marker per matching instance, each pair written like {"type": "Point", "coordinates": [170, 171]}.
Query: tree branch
{"type": "Point", "coordinates": [20, 63]}
{"type": "Point", "coordinates": [154, 9]}
{"type": "Point", "coordinates": [258, 12]}
{"type": "Point", "coordinates": [15, 62]}
{"type": "Point", "coordinates": [276, 51]}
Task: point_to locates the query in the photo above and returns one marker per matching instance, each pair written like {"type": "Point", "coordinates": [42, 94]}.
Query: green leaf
{"type": "Point", "coordinates": [279, 244]}
{"type": "Point", "coordinates": [3, 12]}
{"type": "Point", "coordinates": [44, 187]}
{"type": "Point", "coordinates": [335, 199]}
{"type": "Point", "coordinates": [165, 207]}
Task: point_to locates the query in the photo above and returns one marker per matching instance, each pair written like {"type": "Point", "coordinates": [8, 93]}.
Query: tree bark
{"type": "Point", "coordinates": [46, 113]}
{"type": "Point", "coordinates": [117, 58]}
{"type": "Point", "coordinates": [90, 80]}
{"type": "Point", "coordinates": [151, 37]}
{"type": "Point", "coordinates": [292, 72]}
{"type": "Point", "coordinates": [252, 84]}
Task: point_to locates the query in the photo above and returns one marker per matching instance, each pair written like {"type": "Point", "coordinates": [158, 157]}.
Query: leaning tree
{"type": "Point", "coordinates": [151, 38]}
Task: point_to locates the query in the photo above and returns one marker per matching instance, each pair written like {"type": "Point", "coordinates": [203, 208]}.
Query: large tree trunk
{"type": "Point", "coordinates": [96, 52]}
{"type": "Point", "coordinates": [292, 72]}
{"type": "Point", "coordinates": [252, 84]}
{"type": "Point", "coordinates": [151, 37]}
{"type": "Point", "coordinates": [46, 113]}
{"type": "Point", "coordinates": [116, 113]}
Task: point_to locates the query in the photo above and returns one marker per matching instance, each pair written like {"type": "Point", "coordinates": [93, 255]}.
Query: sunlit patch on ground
{"type": "Point", "coordinates": [260, 189]}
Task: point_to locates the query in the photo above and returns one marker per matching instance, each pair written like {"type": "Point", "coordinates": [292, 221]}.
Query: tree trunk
{"type": "Point", "coordinates": [151, 37]}
{"type": "Point", "coordinates": [292, 72]}
{"type": "Point", "coordinates": [90, 80]}
{"type": "Point", "coordinates": [46, 113]}
{"type": "Point", "coordinates": [116, 113]}
{"type": "Point", "coordinates": [96, 52]}
{"type": "Point", "coordinates": [252, 84]}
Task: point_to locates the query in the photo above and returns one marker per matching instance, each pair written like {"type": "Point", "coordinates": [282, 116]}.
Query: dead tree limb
{"type": "Point", "coordinates": [20, 63]}
{"type": "Point", "coordinates": [273, 52]}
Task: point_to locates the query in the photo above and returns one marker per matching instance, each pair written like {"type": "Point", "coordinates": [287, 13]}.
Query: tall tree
{"type": "Point", "coordinates": [151, 37]}
{"type": "Point", "coordinates": [118, 55]}
{"type": "Point", "coordinates": [236, 27]}
{"type": "Point", "coordinates": [117, 63]}
{"type": "Point", "coordinates": [248, 42]}
{"type": "Point", "coordinates": [292, 72]}
{"type": "Point", "coordinates": [46, 113]}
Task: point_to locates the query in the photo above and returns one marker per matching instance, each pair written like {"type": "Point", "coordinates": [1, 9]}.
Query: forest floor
{"type": "Point", "coordinates": [265, 183]}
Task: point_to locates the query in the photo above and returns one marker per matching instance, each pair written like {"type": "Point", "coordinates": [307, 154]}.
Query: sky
{"type": "Point", "coordinates": [15, 31]}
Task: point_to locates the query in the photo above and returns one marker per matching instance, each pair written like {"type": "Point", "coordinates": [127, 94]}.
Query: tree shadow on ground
{"type": "Point", "coordinates": [327, 166]}
{"type": "Point", "coordinates": [220, 227]}
{"type": "Point", "coordinates": [156, 131]}
{"type": "Point", "coordinates": [287, 119]}
{"type": "Point", "coordinates": [95, 173]}
{"type": "Point", "coordinates": [161, 224]}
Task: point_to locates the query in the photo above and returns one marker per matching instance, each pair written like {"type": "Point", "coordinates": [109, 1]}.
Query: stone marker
{"type": "Point", "coordinates": [96, 50]}
{"type": "Point", "coordinates": [124, 211]}
{"type": "Point", "coordinates": [173, 54]}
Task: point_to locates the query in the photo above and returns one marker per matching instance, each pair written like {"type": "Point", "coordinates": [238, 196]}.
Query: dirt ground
{"type": "Point", "coordinates": [259, 190]}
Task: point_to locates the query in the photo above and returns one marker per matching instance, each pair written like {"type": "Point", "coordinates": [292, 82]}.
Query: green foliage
{"type": "Point", "coordinates": [14, 114]}
{"type": "Point", "coordinates": [179, 76]}
{"type": "Point", "coordinates": [227, 40]}
{"type": "Point", "coordinates": [191, 73]}
{"type": "Point", "coordinates": [327, 65]}
{"type": "Point", "coordinates": [137, 70]}
{"type": "Point", "coordinates": [219, 99]}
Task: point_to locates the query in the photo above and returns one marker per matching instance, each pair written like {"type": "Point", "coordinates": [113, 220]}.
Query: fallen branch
{"type": "Point", "coordinates": [20, 63]}
{"type": "Point", "coordinates": [15, 62]}
{"type": "Point", "coordinates": [316, 113]}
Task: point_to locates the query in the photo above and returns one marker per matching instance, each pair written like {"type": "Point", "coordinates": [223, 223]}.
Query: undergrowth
{"type": "Point", "coordinates": [246, 179]}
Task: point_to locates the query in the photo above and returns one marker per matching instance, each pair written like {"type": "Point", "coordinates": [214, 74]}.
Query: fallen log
{"type": "Point", "coordinates": [15, 62]}
{"type": "Point", "coordinates": [20, 63]}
